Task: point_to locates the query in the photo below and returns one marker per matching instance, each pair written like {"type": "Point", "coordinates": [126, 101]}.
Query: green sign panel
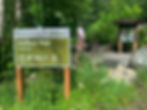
{"type": "Point", "coordinates": [42, 47]}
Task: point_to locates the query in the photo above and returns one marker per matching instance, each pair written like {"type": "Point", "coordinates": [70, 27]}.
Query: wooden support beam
{"type": "Point", "coordinates": [120, 47]}
{"type": "Point", "coordinates": [135, 46]}
{"type": "Point", "coordinates": [19, 83]}
{"type": "Point", "coordinates": [67, 85]}
{"type": "Point", "coordinates": [135, 43]}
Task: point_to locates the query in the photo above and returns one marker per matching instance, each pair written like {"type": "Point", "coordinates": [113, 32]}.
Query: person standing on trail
{"type": "Point", "coordinates": [80, 42]}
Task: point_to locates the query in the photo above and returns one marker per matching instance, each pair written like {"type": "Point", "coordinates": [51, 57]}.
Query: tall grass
{"type": "Point", "coordinates": [90, 91]}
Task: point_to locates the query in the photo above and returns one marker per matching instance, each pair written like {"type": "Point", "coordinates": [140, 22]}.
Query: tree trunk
{"type": "Point", "coordinates": [1, 19]}
{"type": "Point", "coordinates": [18, 13]}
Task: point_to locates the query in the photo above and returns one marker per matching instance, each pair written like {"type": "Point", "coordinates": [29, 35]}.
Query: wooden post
{"type": "Point", "coordinates": [135, 46]}
{"type": "Point", "coordinates": [135, 43]}
{"type": "Point", "coordinates": [19, 83]}
{"type": "Point", "coordinates": [67, 82]}
{"type": "Point", "coordinates": [120, 46]}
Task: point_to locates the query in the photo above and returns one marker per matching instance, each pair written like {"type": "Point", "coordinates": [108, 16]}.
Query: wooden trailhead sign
{"type": "Point", "coordinates": [41, 48]}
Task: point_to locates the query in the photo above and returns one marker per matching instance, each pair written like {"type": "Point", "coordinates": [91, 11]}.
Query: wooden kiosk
{"type": "Point", "coordinates": [128, 32]}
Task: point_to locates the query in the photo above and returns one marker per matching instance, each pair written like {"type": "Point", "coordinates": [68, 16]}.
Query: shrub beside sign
{"type": "Point", "coordinates": [37, 47]}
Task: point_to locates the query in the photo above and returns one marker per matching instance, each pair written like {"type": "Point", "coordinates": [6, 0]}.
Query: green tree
{"type": "Point", "coordinates": [103, 29]}
{"type": "Point", "coordinates": [55, 12]}
{"type": "Point", "coordinates": [144, 8]}
{"type": "Point", "coordinates": [6, 62]}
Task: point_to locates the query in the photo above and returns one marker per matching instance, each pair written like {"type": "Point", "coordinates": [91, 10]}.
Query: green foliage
{"type": "Point", "coordinates": [6, 62]}
{"type": "Point", "coordinates": [144, 8]}
{"type": "Point", "coordinates": [90, 92]}
{"type": "Point", "coordinates": [40, 92]}
{"type": "Point", "coordinates": [142, 83]}
{"type": "Point", "coordinates": [104, 30]}
{"type": "Point", "coordinates": [100, 93]}
{"type": "Point", "coordinates": [143, 36]}
{"type": "Point", "coordinates": [54, 12]}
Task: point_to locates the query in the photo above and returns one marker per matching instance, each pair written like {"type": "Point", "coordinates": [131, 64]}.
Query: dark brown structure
{"type": "Point", "coordinates": [128, 31]}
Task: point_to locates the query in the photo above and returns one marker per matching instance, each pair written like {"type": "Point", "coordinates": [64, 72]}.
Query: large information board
{"type": "Point", "coordinates": [127, 35]}
{"type": "Point", "coordinates": [37, 47]}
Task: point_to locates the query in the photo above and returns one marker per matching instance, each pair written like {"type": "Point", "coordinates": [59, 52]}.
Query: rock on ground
{"type": "Point", "coordinates": [122, 73]}
{"type": "Point", "coordinates": [139, 58]}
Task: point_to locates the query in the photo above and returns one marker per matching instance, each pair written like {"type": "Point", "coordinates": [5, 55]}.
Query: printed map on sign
{"type": "Point", "coordinates": [42, 47]}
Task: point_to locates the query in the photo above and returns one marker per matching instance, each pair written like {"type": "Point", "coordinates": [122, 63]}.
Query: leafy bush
{"type": "Point", "coordinates": [94, 92]}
